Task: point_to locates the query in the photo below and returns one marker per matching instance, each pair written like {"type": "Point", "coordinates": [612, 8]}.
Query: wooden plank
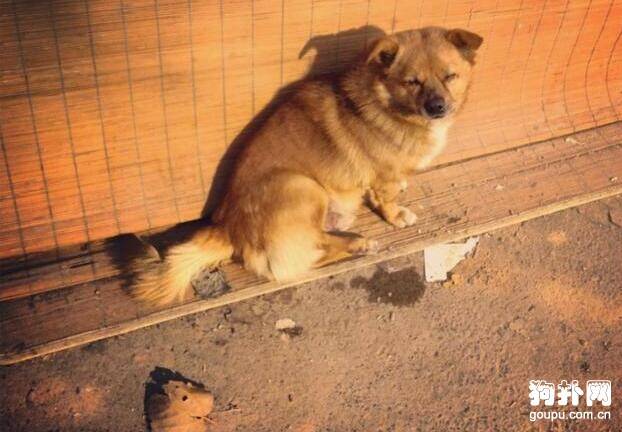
{"type": "Point", "coordinates": [38, 273]}
{"type": "Point", "coordinates": [453, 201]}
{"type": "Point", "coordinates": [115, 115]}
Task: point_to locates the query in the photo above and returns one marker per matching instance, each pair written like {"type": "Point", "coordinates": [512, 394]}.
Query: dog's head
{"type": "Point", "coordinates": [423, 75]}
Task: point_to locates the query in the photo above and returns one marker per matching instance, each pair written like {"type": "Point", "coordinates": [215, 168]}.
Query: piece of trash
{"type": "Point", "coordinates": [210, 283]}
{"type": "Point", "coordinates": [288, 327]}
{"type": "Point", "coordinates": [182, 407]}
{"type": "Point", "coordinates": [284, 324]}
{"type": "Point", "coordinates": [440, 259]}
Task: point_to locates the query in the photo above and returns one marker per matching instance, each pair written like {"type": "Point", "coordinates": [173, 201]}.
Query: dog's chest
{"type": "Point", "coordinates": [433, 144]}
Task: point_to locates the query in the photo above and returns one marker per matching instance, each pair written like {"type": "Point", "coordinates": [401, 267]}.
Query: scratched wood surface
{"type": "Point", "coordinates": [87, 300]}
{"type": "Point", "coordinates": [114, 114]}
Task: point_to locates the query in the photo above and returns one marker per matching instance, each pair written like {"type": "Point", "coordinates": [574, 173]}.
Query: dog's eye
{"type": "Point", "coordinates": [450, 77]}
{"type": "Point", "coordinates": [413, 82]}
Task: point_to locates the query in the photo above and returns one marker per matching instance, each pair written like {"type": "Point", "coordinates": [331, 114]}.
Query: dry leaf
{"type": "Point", "coordinates": [183, 408]}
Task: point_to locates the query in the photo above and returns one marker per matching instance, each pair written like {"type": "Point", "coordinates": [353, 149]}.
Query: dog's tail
{"type": "Point", "coordinates": [161, 281]}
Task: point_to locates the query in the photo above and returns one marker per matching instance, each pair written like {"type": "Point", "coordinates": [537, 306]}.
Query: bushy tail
{"type": "Point", "coordinates": [162, 281]}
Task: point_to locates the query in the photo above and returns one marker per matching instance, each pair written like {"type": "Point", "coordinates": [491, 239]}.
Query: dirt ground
{"type": "Point", "coordinates": [379, 349]}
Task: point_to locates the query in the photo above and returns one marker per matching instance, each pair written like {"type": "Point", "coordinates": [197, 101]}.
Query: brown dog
{"type": "Point", "coordinates": [300, 179]}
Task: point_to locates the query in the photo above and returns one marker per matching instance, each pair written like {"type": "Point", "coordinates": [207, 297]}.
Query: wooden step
{"type": "Point", "coordinates": [55, 301]}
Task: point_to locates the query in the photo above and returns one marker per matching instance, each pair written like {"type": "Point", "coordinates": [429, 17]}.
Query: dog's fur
{"type": "Point", "coordinates": [302, 176]}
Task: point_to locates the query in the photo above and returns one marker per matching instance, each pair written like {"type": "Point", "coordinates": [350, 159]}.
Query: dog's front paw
{"type": "Point", "coordinates": [403, 218]}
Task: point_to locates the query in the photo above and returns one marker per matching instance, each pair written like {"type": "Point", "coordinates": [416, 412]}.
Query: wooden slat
{"type": "Point", "coordinates": [38, 273]}
{"type": "Point", "coordinates": [115, 115]}
{"type": "Point", "coordinates": [452, 201]}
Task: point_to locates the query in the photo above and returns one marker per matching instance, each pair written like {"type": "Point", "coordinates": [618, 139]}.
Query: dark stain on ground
{"type": "Point", "coordinates": [285, 297]}
{"type": "Point", "coordinates": [220, 342]}
{"type": "Point", "coordinates": [400, 288]}
{"type": "Point", "coordinates": [338, 286]}
{"type": "Point", "coordinates": [98, 347]}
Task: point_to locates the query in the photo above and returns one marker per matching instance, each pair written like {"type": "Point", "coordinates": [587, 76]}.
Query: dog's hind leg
{"type": "Point", "coordinates": [295, 239]}
{"type": "Point", "coordinates": [344, 245]}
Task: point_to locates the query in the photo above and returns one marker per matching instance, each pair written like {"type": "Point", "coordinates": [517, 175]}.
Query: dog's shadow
{"type": "Point", "coordinates": [334, 53]}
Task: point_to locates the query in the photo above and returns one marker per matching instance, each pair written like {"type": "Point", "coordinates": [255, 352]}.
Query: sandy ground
{"type": "Point", "coordinates": [379, 349]}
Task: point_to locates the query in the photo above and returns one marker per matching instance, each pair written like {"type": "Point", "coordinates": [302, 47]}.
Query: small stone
{"type": "Point", "coordinates": [288, 327]}
{"type": "Point", "coordinates": [518, 326]}
{"type": "Point", "coordinates": [285, 323]}
{"type": "Point", "coordinates": [615, 216]}
{"type": "Point", "coordinates": [606, 345]}
{"type": "Point", "coordinates": [180, 406]}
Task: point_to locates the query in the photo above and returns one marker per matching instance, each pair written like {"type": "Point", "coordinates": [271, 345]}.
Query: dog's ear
{"type": "Point", "coordinates": [466, 41]}
{"type": "Point", "coordinates": [383, 52]}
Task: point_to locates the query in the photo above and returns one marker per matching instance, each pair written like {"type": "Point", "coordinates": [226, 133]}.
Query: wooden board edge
{"type": "Point", "coordinates": [269, 287]}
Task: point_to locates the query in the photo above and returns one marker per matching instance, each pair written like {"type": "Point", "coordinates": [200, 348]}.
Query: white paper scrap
{"type": "Point", "coordinates": [440, 259]}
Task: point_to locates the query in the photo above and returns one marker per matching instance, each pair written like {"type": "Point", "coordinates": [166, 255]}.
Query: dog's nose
{"type": "Point", "coordinates": [435, 107]}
